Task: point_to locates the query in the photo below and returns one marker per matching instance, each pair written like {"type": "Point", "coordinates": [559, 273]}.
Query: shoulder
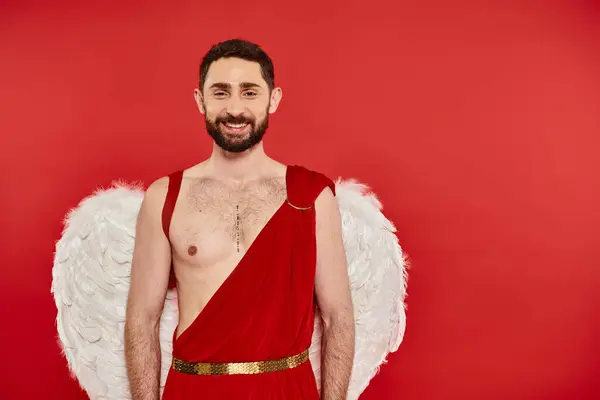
{"type": "Point", "coordinates": [316, 181]}
{"type": "Point", "coordinates": [308, 187]}
{"type": "Point", "coordinates": [157, 191]}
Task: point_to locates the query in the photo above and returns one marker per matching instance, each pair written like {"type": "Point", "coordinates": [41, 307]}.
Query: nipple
{"type": "Point", "coordinates": [192, 250]}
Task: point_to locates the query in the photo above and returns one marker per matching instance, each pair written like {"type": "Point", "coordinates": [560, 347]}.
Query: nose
{"type": "Point", "coordinates": [235, 106]}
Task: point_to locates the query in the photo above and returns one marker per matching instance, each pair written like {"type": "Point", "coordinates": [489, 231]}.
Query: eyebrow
{"type": "Point", "coordinates": [243, 85]}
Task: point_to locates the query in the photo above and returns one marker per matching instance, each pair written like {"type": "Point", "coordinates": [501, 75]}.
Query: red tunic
{"type": "Point", "coordinates": [263, 311]}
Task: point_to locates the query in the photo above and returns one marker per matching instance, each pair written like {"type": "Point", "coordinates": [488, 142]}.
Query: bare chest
{"type": "Point", "coordinates": [216, 222]}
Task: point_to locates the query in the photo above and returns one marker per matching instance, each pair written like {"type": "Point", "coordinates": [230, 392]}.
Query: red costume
{"type": "Point", "coordinates": [263, 311]}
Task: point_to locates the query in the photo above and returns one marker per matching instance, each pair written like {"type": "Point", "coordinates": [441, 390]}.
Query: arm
{"type": "Point", "coordinates": [334, 299]}
{"type": "Point", "coordinates": [150, 270]}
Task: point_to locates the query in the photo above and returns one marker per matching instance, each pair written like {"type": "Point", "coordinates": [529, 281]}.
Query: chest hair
{"type": "Point", "coordinates": [239, 212]}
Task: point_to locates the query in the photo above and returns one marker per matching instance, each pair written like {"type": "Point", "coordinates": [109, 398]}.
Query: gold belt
{"type": "Point", "coordinates": [252, 367]}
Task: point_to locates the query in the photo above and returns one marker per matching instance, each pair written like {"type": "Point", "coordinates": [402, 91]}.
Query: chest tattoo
{"type": "Point", "coordinates": [237, 226]}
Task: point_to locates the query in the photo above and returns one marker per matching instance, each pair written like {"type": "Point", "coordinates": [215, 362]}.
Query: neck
{"type": "Point", "coordinates": [238, 166]}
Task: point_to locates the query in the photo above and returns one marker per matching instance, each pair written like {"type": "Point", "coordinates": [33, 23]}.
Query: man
{"type": "Point", "coordinates": [250, 244]}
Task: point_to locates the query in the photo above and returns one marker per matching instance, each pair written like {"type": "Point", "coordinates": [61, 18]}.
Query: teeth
{"type": "Point", "coordinates": [235, 125]}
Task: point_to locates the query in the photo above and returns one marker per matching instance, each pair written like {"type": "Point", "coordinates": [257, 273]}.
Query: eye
{"type": "Point", "coordinates": [250, 93]}
{"type": "Point", "coordinates": [219, 94]}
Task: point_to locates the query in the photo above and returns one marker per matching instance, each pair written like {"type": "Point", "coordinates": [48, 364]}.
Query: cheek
{"type": "Point", "coordinates": [213, 111]}
{"type": "Point", "coordinates": [259, 112]}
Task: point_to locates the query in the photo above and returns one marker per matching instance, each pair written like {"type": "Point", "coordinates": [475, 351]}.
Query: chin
{"type": "Point", "coordinates": [235, 137]}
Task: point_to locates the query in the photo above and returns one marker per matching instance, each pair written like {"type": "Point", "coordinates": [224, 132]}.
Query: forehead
{"type": "Point", "coordinates": [233, 71]}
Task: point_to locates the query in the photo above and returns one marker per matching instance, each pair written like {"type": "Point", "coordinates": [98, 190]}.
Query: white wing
{"type": "Point", "coordinates": [91, 275]}
{"type": "Point", "coordinates": [90, 283]}
{"type": "Point", "coordinates": [378, 278]}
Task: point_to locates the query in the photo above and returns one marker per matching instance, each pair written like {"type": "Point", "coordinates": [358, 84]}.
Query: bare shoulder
{"type": "Point", "coordinates": [327, 213]}
{"type": "Point", "coordinates": [326, 198]}
{"type": "Point", "coordinates": [154, 197]}
{"type": "Point", "coordinates": [158, 187]}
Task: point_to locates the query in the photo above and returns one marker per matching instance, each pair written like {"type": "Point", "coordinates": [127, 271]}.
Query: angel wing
{"type": "Point", "coordinates": [90, 284]}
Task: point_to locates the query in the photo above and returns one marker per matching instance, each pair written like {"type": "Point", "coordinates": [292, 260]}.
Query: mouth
{"type": "Point", "coordinates": [235, 128]}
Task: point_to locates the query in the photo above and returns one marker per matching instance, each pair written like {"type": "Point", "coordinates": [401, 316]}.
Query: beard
{"type": "Point", "coordinates": [241, 142]}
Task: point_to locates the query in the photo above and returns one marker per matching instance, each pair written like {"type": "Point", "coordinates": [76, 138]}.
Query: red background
{"type": "Point", "coordinates": [476, 124]}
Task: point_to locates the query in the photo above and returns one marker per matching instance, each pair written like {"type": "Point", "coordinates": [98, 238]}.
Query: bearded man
{"type": "Point", "coordinates": [252, 245]}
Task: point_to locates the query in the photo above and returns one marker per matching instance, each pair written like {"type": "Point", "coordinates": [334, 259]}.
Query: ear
{"type": "Point", "coordinates": [199, 101]}
{"type": "Point", "coordinates": [276, 95]}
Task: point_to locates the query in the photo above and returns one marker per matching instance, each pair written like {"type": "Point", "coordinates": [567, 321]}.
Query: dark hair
{"type": "Point", "coordinates": [238, 48]}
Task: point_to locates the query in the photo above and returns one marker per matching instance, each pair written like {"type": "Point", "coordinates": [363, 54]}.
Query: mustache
{"type": "Point", "coordinates": [235, 120]}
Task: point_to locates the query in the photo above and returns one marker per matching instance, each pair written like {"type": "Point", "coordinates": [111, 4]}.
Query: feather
{"type": "Point", "coordinates": [90, 284]}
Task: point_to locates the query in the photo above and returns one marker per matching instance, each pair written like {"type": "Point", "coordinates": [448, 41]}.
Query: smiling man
{"type": "Point", "coordinates": [253, 245]}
